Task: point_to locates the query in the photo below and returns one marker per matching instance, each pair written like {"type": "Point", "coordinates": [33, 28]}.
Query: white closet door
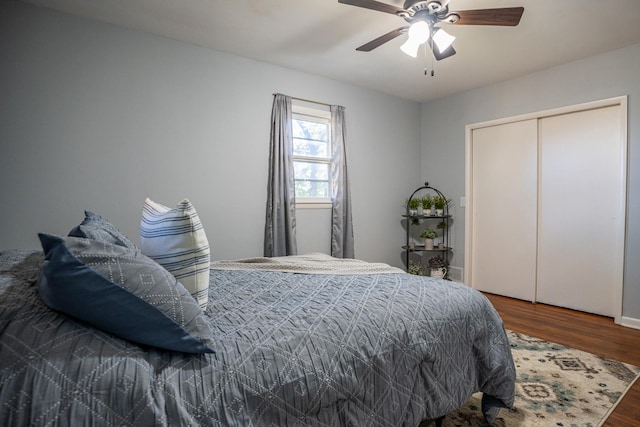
{"type": "Point", "coordinates": [504, 206]}
{"type": "Point", "coordinates": [581, 221]}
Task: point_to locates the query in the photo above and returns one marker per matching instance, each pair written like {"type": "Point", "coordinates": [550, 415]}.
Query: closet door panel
{"type": "Point", "coordinates": [504, 203]}
{"type": "Point", "coordinates": [580, 222]}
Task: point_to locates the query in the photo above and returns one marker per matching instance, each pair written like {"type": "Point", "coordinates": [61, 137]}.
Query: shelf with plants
{"type": "Point", "coordinates": [427, 209]}
{"type": "Point", "coordinates": [421, 248]}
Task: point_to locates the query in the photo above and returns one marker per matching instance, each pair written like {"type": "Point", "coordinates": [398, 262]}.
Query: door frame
{"type": "Point", "coordinates": [621, 101]}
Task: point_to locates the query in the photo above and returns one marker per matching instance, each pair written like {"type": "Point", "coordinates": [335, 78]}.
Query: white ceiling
{"type": "Point", "coordinates": [320, 37]}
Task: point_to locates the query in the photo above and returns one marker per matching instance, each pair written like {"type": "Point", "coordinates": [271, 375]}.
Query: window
{"type": "Point", "coordinates": [312, 155]}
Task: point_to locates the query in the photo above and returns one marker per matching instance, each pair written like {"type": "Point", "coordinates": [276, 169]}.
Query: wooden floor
{"type": "Point", "coordinates": [595, 334]}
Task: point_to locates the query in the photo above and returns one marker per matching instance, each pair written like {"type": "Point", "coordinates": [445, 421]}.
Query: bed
{"type": "Point", "coordinates": [292, 344]}
{"type": "Point", "coordinates": [97, 331]}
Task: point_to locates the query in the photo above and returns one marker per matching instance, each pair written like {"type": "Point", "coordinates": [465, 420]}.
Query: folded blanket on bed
{"type": "Point", "coordinates": [312, 263]}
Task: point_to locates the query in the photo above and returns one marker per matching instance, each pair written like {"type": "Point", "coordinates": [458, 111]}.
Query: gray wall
{"type": "Point", "coordinates": [97, 117]}
{"type": "Point", "coordinates": [604, 76]}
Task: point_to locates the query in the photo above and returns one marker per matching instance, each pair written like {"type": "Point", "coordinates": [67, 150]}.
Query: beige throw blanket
{"type": "Point", "coordinates": [312, 263]}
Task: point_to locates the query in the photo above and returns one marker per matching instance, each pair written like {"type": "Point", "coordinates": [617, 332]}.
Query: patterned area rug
{"type": "Point", "coordinates": [556, 386]}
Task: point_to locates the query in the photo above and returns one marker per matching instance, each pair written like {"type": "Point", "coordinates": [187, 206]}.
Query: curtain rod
{"type": "Point", "coordinates": [304, 100]}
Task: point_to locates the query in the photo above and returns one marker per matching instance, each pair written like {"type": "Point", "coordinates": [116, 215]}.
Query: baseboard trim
{"type": "Point", "coordinates": [630, 322]}
{"type": "Point", "coordinates": [455, 273]}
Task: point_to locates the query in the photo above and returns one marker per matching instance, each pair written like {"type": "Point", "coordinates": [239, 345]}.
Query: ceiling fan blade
{"type": "Point", "coordinates": [507, 16]}
{"type": "Point", "coordinates": [367, 47]}
{"type": "Point", "coordinates": [373, 5]}
{"type": "Point", "coordinates": [450, 51]}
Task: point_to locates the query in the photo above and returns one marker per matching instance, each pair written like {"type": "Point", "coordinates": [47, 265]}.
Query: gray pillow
{"type": "Point", "coordinates": [98, 228]}
{"type": "Point", "coordinates": [123, 292]}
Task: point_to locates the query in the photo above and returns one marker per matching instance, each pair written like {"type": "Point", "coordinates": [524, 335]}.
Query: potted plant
{"type": "Point", "coordinates": [438, 267]}
{"type": "Point", "coordinates": [428, 236]}
{"type": "Point", "coordinates": [439, 202]}
{"type": "Point", "coordinates": [412, 206]}
{"type": "Point", "coordinates": [437, 262]}
{"type": "Point", "coordinates": [427, 204]}
{"type": "Point", "coordinates": [416, 268]}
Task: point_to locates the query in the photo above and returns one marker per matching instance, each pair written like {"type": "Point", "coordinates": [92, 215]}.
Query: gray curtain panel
{"type": "Point", "coordinates": [341, 222]}
{"type": "Point", "coordinates": [280, 225]}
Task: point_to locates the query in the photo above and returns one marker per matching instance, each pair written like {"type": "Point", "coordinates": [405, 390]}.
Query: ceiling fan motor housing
{"type": "Point", "coordinates": [430, 11]}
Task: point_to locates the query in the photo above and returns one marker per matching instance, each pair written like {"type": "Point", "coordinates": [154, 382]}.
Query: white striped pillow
{"type": "Point", "coordinates": [176, 240]}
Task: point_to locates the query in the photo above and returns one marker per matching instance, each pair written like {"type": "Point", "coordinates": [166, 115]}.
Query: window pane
{"type": "Point", "coordinates": [311, 171]}
{"type": "Point", "coordinates": [312, 189]}
{"type": "Point", "coordinates": [312, 179]}
{"type": "Point", "coordinates": [307, 148]}
{"type": "Point", "coordinates": [310, 130]}
{"type": "Point", "coordinates": [310, 138]}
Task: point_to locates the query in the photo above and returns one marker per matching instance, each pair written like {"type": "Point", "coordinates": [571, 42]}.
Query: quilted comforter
{"type": "Point", "coordinates": [376, 349]}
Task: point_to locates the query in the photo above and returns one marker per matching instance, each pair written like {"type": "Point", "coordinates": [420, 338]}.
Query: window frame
{"type": "Point", "coordinates": [319, 116]}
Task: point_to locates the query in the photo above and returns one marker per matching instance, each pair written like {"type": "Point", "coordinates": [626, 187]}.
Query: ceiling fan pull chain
{"type": "Point", "coordinates": [433, 72]}
{"type": "Point", "coordinates": [425, 60]}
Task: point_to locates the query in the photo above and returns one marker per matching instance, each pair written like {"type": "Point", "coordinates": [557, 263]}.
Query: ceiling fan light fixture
{"type": "Point", "coordinates": [418, 34]}
{"type": "Point", "coordinates": [410, 48]}
{"type": "Point", "coordinates": [442, 39]}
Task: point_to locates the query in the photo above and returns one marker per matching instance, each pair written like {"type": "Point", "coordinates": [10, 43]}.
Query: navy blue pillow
{"type": "Point", "coordinates": [121, 291]}
{"type": "Point", "coordinates": [97, 228]}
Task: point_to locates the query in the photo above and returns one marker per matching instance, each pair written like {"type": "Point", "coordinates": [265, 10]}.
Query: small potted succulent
{"type": "Point", "coordinates": [427, 204]}
{"type": "Point", "coordinates": [412, 206]}
{"type": "Point", "coordinates": [416, 268]}
{"type": "Point", "coordinates": [428, 236]}
{"type": "Point", "coordinates": [439, 202]}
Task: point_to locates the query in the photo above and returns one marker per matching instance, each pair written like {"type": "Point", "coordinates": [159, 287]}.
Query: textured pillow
{"type": "Point", "coordinates": [123, 292]}
{"type": "Point", "coordinates": [176, 240]}
{"type": "Point", "coordinates": [96, 227]}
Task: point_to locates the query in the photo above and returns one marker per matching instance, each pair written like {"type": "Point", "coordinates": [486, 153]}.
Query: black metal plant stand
{"type": "Point", "coordinates": [445, 217]}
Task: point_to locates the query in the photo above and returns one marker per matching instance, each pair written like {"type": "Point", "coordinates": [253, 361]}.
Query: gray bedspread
{"type": "Point", "coordinates": [292, 350]}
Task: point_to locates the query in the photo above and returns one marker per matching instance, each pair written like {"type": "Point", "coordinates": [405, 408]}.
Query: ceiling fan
{"type": "Point", "coordinates": [424, 15]}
